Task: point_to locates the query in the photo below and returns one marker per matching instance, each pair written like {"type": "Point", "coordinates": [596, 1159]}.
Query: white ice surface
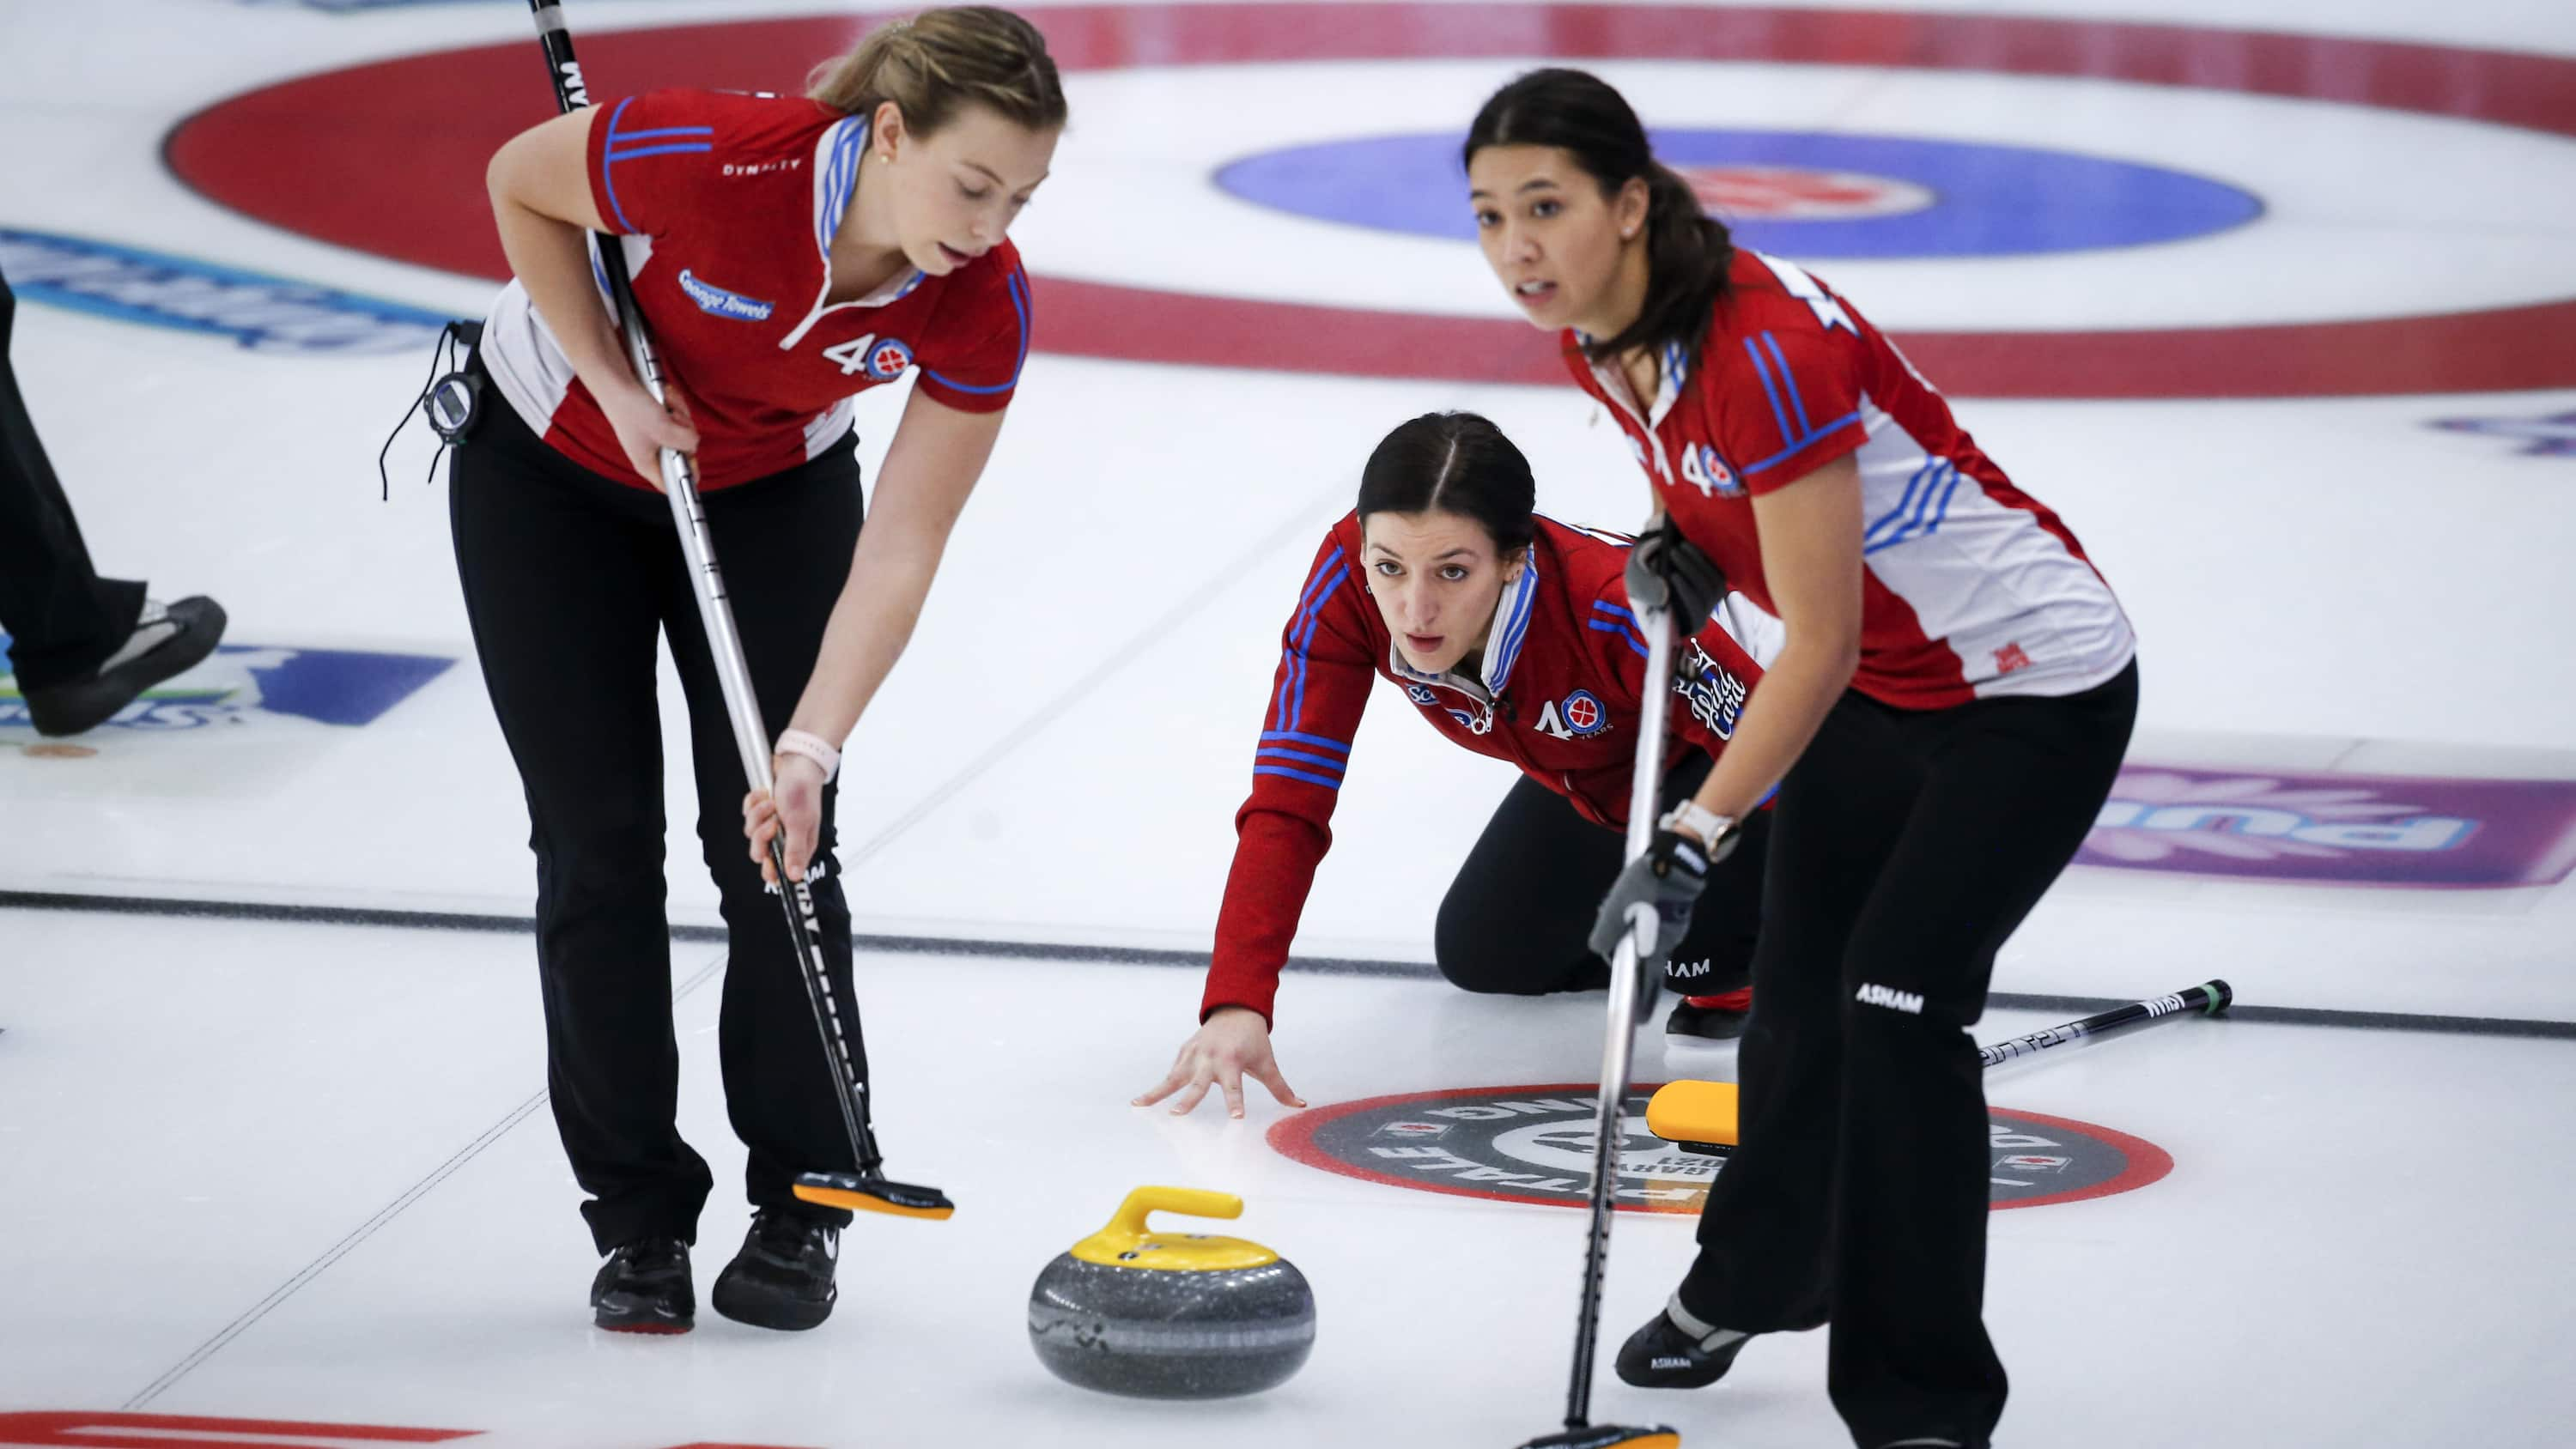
{"type": "Point", "coordinates": [2358, 1245]}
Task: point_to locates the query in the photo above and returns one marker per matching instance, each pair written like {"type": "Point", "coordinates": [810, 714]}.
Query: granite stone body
{"type": "Point", "coordinates": [1164, 1334]}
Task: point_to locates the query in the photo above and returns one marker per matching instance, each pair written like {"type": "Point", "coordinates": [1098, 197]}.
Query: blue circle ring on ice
{"type": "Point", "coordinates": [1806, 194]}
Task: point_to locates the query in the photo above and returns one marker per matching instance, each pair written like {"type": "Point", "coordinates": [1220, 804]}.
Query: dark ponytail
{"type": "Point", "coordinates": [1688, 251]}
{"type": "Point", "coordinates": [1454, 463]}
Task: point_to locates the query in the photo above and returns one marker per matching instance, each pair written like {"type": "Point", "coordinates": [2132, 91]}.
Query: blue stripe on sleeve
{"type": "Point", "coordinates": [1604, 606]}
{"type": "Point", "coordinates": [1020, 303]}
{"type": "Point", "coordinates": [1337, 746]}
{"type": "Point", "coordinates": [607, 176]}
{"type": "Point", "coordinates": [1763, 371]}
{"type": "Point", "coordinates": [1836, 426]}
{"type": "Point", "coordinates": [1325, 781]}
{"type": "Point", "coordinates": [1788, 380]}
{"type": "Point", "coordinates": [1292, 684]}
{"type": "Point", "coordinates": [676, 147]}
{"type": "Point", "coordinates": [1314, 621]}
{"type": "Point", "coordinates": [1631, 640]}
{"type": "Point", "coordinates": [1325, 762]}
{"type": "Point", "coordinates": [615, 134]}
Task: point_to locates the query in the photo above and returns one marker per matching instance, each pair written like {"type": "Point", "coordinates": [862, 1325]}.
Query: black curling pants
{"type": "Point", "coordinates": [1518, 917]}
{"type": "Point", "coordinates": [569, 579]}
{"type": "Point", "coordinates": [62, 618]}
{"type": "Point", "coordinates": [1908, 846]}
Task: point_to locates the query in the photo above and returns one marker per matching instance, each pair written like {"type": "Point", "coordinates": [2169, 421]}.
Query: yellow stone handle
{"type": "Point", "coordinates": [1196, 1202]}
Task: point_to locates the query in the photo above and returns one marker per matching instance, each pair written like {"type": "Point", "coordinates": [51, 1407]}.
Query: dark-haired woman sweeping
{"type": "Point", "coordinates": [1944, 720]}
{"type": "Point", "coordinates": [1515, 637]}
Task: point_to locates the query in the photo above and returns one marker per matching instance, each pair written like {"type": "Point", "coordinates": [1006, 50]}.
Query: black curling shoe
{"type": "Point", "coordinates": [1711, 1018]}
{"type": "Point", "coordinates": [782, 1278]}
{"type": "Point", "coordinates": [644, 1288]}
{"type": "Point", "coordinates": [1669, 1355]}
{"type": "Point", "coordinates": [168, 640]}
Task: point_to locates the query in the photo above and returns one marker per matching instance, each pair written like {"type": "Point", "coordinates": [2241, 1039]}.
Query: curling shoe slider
{"type": "Point", "coordinates": [644, 1288]}
{"type": "Point", "coordinates": [1718, 1018]}
{"type": "Point", "coordinates": [1677, 1350]}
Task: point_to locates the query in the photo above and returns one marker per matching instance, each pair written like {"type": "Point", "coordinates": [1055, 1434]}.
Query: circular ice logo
{"type": "Point", "coordinates": [1801, 193]}
{"type": "Point", "coordinates": [1534, 1145]}
{"type": "Point", "coordinates": [1813, 195]}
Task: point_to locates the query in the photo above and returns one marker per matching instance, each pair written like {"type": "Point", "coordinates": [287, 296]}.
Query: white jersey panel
{"type": "Point", "coordinates": [524, 360]}
{"type": "Point", "coordinates": [2022, 613]}
{"type": "Point", "coordinates": [520, 351]}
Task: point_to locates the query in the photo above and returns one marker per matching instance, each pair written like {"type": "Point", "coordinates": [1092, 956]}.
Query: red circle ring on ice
{"type": "Point", "coordinates": [403, 144]}
{"type": "Point", "coordinates": [1533, 1144]}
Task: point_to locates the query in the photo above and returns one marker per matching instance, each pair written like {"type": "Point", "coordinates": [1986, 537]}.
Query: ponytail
{"type": "Point", "coordinates": [939, 62]}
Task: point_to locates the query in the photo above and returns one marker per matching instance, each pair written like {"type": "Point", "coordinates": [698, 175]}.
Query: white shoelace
{"type": "Point", "coordinates": [153, 630]}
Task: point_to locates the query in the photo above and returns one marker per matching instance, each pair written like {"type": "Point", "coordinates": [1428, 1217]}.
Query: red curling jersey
{"type": "Point", "coordinates": [726, 204]}
{"type": "Point", "coordinates": [1563, 666]}
{"type": "Point", "coordinates": [1971, 589]}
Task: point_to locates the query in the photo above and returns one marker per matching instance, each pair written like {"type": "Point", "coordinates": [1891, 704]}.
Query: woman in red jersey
{"type": "Point", "coordinates": [1514, 636]}
{"type": "Point", "coordinates": [1943, 721]}
{"type": "Point", "coordinates": [788, 253]}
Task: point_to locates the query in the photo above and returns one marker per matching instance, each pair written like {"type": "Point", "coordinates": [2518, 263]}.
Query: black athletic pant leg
{"type": "Point", "coordinates": [562, 573]}
{"type": "Point", "coordinates": [1944, 872]}
{"type": "Point", "coordinates": [1518, 916]}
{"type": "Point", "coordinates": [62, 618]}
{"type": "Point", "coordinates": [2011, 787]}
{"type": "Point", "coordinates": [1834, 821]}
{"type": "Point", "coordinates": [784, 544]}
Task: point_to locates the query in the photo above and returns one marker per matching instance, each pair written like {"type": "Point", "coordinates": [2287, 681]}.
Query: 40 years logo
{"type": "Point", "coordinates": [1534, 1145]}
{"type": "Point", "coordinates": [243, 683]}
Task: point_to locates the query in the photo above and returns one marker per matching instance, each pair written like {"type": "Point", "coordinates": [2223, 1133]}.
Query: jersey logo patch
{"type": "Point", "coordinates": [1580, 717]}
{"type": "Point", "coordinates": [715, 301]}
{"type": "Point", "coordinates": [1716, 697]}
{"type": "Point", "coordinates": [1420, 695]}
{"type": "Point", "coordinates": [888, 359]}
{"type": "Point", "coordinates": [1704, 470]}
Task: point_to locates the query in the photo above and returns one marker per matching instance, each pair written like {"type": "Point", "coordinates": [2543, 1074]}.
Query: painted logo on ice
{"type": "Point", "coordinates": [241, 683]}
{"type": "Point", "coordinates": [262, 312]}
{"type": "Point", "coordinates": [2336, 828]}
{"type": "Point", "coordinates": [1534, 1145]}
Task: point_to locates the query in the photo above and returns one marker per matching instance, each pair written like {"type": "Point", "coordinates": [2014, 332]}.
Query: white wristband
{"type": "Point", "coordinates": [811, 746]}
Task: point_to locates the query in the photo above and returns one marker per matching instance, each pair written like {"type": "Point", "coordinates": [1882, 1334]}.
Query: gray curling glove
{"type": "Point", "coordinates": [1668, 877]}
{"type": "Point", "coordinates": [1668, 571]}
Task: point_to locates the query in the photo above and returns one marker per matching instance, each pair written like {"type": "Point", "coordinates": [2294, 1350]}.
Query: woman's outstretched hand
{"type": "Point", "coordinates": [1234, 1044]}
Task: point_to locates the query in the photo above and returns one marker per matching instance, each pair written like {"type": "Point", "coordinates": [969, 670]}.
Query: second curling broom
{"type": "Point", "coordinates": [1617, 1053]}
{"type": "Point", "coordinates": [1702, 1116]}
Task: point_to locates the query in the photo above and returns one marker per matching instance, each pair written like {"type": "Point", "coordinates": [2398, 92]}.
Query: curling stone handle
{"type": "Point", "coordinates": [1196, 1202]}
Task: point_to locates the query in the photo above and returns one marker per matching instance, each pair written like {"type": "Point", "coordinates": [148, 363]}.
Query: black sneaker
{"type": "Point", "coordinates": [782, 1278]}
{"type": "Point", "coordinates": [1711, 1018]}
{"type": "Point", "coordinates": [168, 640]}
{"type": "Point", "coordinates": [644, 1288]}
{"type": "Point", "coordinates": [1684, 1354]}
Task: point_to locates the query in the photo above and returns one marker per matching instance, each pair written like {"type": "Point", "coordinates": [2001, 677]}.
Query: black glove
{"type": "Point", "coordinates": [1668, 571]}
{"type": "Point", "coordinates": [1668, 877]}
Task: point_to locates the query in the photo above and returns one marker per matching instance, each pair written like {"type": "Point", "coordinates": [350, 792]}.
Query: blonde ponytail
{"type": "Point", "coordinates": [941, 61]}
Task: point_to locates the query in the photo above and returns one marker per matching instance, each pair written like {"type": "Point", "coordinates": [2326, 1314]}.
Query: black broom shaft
{"type": "Point", "coordinates": [845, 1052]}
{"type": "Point", "coordinates": [2210, 997]}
